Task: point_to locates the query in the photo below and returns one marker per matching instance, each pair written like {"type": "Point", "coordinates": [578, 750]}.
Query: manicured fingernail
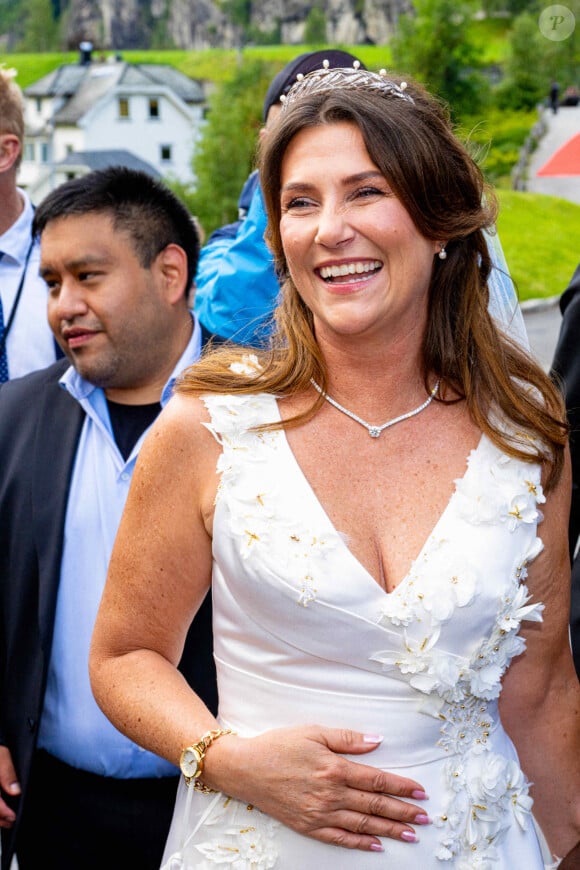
{"type": "Point", "coordinates": [14, 788]}
{"type": "Point", "coordinates": [419, 795]}
{"type": "Point", "coordinates": [373, 738]}
{"type": "Point", "coordinates": [409, 837]}
{"type": "Point", "coordinates": [422, 819]}
{"type": "Point", "coordinates": [376, 847]}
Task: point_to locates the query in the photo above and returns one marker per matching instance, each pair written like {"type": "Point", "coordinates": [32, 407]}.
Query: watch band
{"type": "Point", "coordinates": [198, 750]}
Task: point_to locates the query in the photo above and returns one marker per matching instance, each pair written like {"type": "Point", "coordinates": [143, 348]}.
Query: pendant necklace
{"type": "Point", "coordinates": [375, 431]}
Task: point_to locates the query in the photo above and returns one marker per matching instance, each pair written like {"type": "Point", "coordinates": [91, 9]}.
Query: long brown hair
{"type": "Point", "coordinates": [443, 190]}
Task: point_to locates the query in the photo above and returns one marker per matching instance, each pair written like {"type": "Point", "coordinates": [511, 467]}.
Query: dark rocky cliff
{"type": "Point", "coordinates": [197, 24]}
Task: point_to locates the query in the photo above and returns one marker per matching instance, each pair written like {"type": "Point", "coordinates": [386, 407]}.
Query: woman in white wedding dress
{"type": "Point", "coordinates": [380, 506]}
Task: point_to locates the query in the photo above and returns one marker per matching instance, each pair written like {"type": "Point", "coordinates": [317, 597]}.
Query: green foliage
{"type": "Point", "coordinates": [41, 30]}
{"type": "Point", "coordinates": [226, 153]}
{"type": "Point", "coordinates": [514, 7]}
{"type": "Point", "coordinates": [541, 257]}
{"type": "Point", "coordinates": [238, 11]}
{"type": "Point", "coordinates": [315, 27]}
{"type": "Point", "coordinates": [524, 85]}
{"type": "Point", "coordinates": [435, 46]}
{"type": "Point", "coordinates": [495, 141]}
{"type": "Point", "coordinates": [534, 60]}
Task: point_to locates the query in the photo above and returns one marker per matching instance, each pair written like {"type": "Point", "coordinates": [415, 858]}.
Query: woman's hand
{"type": "Point", "coordinates": [298, 776]}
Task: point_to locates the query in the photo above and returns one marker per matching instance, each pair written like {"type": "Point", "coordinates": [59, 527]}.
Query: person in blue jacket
{"type": "Point", "coordinates": [236, 283]}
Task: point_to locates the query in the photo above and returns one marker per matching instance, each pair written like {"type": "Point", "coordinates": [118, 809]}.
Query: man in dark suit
{"type": "Point", "coordinates": [118, 254]}
{"type": "Point", "coordinates": [566, 368]}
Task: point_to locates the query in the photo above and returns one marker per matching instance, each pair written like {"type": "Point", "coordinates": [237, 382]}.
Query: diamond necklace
{"type": "Point", "coordinates": [375, 431]}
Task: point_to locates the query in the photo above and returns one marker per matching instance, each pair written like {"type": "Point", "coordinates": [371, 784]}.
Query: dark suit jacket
{"type": "Point", "coordinates": [40, 425]}
{"type": "Point", "coordinates": [566, 368]}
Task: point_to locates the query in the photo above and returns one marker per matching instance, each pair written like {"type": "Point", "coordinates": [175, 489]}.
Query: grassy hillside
{"type": "Point", "coordinates": [217, 65]}
{"type": "Point", "coordinates": [541, 257]}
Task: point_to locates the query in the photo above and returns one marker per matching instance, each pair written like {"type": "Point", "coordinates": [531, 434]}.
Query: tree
{"type": "Point", "coordinates": [226, 153]}
{"type": "Point", "coordinates": [41, 30]}
{"type": "Point", "coordinates": [434, 46]}
{"type": "Point", "coordinates": [525, 82]}
{"type": "Point", "coordinates": [315, 27]}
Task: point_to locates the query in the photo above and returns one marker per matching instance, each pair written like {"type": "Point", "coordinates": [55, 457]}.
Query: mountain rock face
{"type": "Point", "coordinates": [198, 24]}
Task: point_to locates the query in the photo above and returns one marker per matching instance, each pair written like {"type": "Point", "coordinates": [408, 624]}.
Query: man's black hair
{"type": "Point", "coordinates": [138, 204]}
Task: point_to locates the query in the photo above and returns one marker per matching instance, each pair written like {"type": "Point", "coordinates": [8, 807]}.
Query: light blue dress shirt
{"type": "Point", "coordinates": [72, 726]}
{"type": "Point", "coordinates": [30, 343]}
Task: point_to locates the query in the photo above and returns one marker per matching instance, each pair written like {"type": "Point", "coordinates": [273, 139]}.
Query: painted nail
{"type": "Point", "coordinates": [376, 847]}
{"type": "Point", "coordinates": [419, 795]}
{"type": "Point", "coordinates": [373, 738]}
{"type": "Point", "coordinates": [422, 819]}
{"type": "Point", "coordinates": [409, 837]}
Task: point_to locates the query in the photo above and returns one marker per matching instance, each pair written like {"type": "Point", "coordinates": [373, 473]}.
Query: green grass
{"type": "Point", "coordinates": [215, 65]}
{"type": "Point", "coordinates": [541, 257]}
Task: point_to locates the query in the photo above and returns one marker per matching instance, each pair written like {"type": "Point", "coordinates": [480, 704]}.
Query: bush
{"type": "Point", "coordinates": [496, 141]}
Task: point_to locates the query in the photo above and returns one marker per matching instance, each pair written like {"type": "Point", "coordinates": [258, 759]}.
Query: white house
{"type": "Point", "coordinates": [150, 111]}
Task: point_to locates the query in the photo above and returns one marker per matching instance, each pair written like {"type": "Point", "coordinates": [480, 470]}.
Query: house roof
{"type": "Point", "coordinates": [103, 159]}
{"type": "Point", "coordinates": [81, 86]}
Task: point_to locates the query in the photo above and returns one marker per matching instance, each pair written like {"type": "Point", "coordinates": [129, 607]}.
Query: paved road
{"type": "Point", "coordinates": [543, 322]}
{"type": "Point", "coordinates": [543, 325]}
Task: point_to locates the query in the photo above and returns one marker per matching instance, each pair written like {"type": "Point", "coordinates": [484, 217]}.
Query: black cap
{"type": "Point", "coordinates": [304, 64]}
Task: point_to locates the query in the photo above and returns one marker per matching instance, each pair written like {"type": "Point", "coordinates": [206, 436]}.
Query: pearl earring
{"type": "Point", "coordinates": [442, 253]}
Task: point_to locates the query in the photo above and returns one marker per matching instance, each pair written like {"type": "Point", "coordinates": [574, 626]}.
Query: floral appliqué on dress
{"type": "Point", "coordinates": [487, 791]}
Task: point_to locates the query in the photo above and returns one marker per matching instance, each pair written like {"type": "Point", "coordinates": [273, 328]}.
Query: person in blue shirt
{"type": "Point", "coordinates": [236, 284]}
{"type": "Point", "coordinates": [118, 255]}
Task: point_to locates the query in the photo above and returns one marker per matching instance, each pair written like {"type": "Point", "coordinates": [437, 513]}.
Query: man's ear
{"type": "Point", "coordinates": [9, 151]}
{"type": "Point", "coordinates": [172, 262]}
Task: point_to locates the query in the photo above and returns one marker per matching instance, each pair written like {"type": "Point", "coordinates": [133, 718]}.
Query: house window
{"type": "Point", "coordinates": [69, 149]}
{"type": "Point", "coordinates": [39, 104]}
{"type": "Point", "coordinates": [123, 107]}
{"type": "Point", "coordinates": [70, 176]}
{"type": "Point", "coordinates": [29, 151]}
{"type": "Point", "coordinates": [44, 152]}
{"type": "Point", "coordinates": [154, 108]}
{"type": "Point", "coordinates": [166, 153]}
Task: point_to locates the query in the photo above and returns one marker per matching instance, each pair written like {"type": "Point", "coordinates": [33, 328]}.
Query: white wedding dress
{"type": "Point", "coordinates": [303, 634]}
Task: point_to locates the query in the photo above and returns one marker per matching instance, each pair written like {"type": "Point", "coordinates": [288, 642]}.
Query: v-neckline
{"type": "Point", "coordinates": [307, 486]}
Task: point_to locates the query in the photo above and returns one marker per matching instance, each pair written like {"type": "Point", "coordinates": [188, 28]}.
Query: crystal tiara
{"type": "Point", "coordinates": [327, 79]}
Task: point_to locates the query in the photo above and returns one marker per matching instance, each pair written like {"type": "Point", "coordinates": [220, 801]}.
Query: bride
{"type": "Point", "coordinates": [379, 503]}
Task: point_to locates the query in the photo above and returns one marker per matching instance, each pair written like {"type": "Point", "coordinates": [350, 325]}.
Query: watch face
{"type": "Point", "coordinates": [190, 762]}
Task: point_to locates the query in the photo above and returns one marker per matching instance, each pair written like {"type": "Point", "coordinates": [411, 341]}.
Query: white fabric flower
{"type": "Point", "coordinates": [248, 365]}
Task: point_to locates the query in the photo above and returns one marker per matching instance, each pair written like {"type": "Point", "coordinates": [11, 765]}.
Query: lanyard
{"type": "Point", "coordinates": [17, 297]}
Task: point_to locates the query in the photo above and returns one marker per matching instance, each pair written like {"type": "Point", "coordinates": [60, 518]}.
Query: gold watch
{"type": "Point", "coordinates": [192, 758]}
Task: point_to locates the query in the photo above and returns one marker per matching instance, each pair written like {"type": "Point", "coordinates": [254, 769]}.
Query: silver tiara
{"type": "Point", "coordinates": [352, 79]}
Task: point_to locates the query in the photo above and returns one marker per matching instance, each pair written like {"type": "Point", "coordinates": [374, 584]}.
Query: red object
{"type": "Point", "coordinates": [565, 161]}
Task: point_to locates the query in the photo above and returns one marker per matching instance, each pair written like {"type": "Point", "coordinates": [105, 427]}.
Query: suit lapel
{"type": "Point", "coordinates": [60, 419]}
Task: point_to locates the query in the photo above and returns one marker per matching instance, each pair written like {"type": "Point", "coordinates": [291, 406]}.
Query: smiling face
{"type": "Point", "coordinates": [353, 252]}
{"type": "Point", "coordinates": [113, 318]}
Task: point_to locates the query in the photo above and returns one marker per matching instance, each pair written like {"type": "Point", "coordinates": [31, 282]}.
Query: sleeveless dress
{"type": "Point", "coordinates": [304, 635]}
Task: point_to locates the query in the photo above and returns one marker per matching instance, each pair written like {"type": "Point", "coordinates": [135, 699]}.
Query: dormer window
{"type": "Point", "coordinates": [123, 105]}
{"type": "Point", "coordinates": [154, 108]}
